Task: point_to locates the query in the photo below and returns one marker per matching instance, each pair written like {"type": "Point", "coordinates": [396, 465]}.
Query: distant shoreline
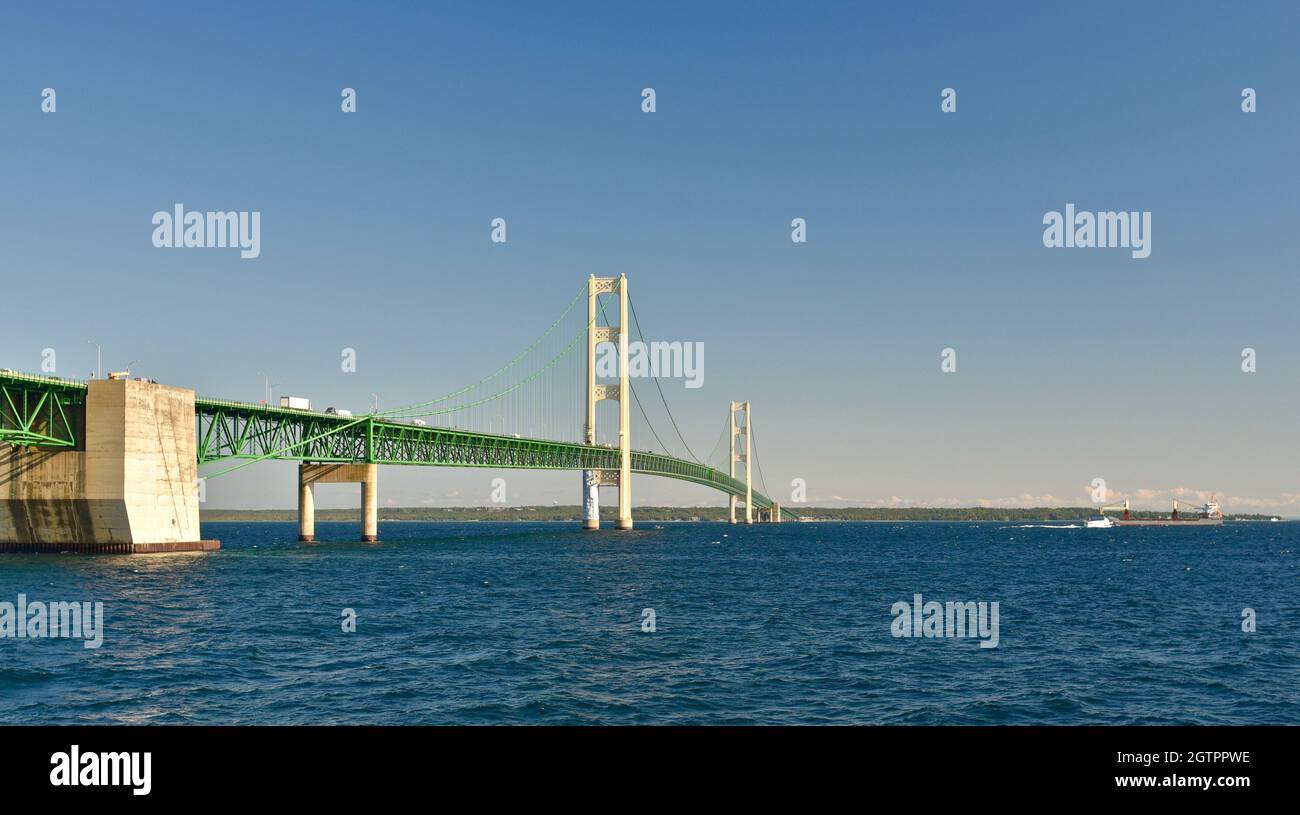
{"type": "Point", "coordinates": [573, 514]}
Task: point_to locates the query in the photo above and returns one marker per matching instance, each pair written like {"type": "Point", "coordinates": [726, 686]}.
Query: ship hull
{"type": "Point", "coordinates": [1169, 522]}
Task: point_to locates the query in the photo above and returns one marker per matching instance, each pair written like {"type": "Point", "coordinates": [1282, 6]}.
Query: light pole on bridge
{"type": "Point", "coordinates": [269, 386]}
{"type": "Point", "coordinates": [99, 353]}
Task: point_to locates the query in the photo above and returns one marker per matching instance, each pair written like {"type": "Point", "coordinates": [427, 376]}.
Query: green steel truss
{"type": "Point", "coordinates": [238, 430]}
{"type": "Point", "coordinates": [38, 411]}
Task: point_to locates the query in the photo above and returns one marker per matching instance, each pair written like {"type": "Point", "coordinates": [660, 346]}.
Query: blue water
{"type": "Point", "coordinates": [541, 623]}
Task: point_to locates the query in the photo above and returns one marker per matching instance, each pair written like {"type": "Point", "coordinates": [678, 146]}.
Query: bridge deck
{"type": "Point", "coordinates": [42, 411]}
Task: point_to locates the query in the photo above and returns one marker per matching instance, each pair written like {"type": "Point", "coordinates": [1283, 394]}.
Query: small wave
{"type": "Point", "coordinates": [1045, 526]}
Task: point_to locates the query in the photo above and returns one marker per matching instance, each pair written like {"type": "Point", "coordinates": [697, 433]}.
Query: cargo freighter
{"type": "Point", "coordinates": [1207, 514]}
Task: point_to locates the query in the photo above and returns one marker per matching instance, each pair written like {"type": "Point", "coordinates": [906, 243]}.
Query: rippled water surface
{"type": "Point", "coordinates": [541, 623]}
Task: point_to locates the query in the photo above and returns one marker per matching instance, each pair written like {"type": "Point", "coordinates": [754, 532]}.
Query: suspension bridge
{"type": "Point", "coordinates": [116, 464]}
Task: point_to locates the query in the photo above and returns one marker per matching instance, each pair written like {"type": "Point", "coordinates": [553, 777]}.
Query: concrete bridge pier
{"type": "Point", "coordinates": [309, 475]}
{"type": "Point", "coordinates": [590, 499]}
{"type": "Point", "coordinates": [306, 508]}
{"type": "Point", "coordinates": [370, 504]}
{"type": "Point", "coordinates": [129, 486]}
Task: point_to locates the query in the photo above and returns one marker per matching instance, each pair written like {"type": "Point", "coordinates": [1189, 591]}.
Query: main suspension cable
{"type": "Point", "coordinates": [406, 411]}
{"type": "Point", "coordinates": [659, 388]}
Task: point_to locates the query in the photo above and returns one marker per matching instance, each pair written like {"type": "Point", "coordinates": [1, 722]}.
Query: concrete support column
{"type": "Point", "coordinates": [367, 475]}
{"type": "Point", "coordinates": [306, 508]}
{"type": "Point", "coordinates": [776, 512]}
{"type": "Point", "coordinates": [370, 504]}
{"type": "Point", "coordinates": [590, 500]}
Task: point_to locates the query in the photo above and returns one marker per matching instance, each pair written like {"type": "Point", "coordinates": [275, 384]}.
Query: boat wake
{"type": "Point", "coordinates": [1044, 526]}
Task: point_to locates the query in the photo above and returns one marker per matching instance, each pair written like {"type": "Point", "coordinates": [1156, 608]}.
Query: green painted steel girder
{"type": "Point", "coordinates": [239, 430]}
{"type": "Point", "coordinates": [39, 411]}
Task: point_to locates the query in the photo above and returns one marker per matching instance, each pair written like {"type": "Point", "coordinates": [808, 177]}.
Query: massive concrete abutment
{"type": "Point", "coordinates": [131, 486]}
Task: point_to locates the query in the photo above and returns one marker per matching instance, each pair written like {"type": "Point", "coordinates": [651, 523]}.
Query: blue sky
{"type": "Point", "coordinates": [924, 228]}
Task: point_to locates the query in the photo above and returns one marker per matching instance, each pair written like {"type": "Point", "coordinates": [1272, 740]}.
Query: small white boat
{"type": "Point", "coordinates": [1100, 523]}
